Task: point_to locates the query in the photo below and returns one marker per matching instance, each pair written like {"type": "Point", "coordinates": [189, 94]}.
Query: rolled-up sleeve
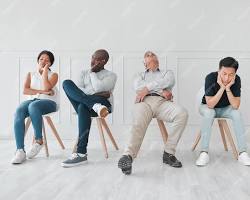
{"type": "Point", "coordinates": [139, 83]}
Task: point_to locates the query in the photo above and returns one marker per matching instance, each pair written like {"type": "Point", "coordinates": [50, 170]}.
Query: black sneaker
{"type": "Point", "coordinates": [125, 164]}
{"type": "Point", "coordinates": [171, 160]}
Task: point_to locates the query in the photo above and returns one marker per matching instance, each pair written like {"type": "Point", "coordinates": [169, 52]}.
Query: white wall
{"type": "Point", "coordinates": [190, 38]}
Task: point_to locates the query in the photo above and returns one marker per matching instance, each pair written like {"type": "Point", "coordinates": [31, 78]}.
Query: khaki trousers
{"type": "Point", "coordinates": [156, 107]}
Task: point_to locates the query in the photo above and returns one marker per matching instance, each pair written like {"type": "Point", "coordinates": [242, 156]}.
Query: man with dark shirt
{"type": "Point", "coordinates": [222, 100]}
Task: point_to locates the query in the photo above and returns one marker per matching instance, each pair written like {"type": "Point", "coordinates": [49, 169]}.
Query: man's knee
{"type": "Point", "coordinates": [182, 112]}
{"type": "Point", "coordinates": [208, 112]}
{"type": "Point", "coordinates": [66, 83]}
{"type": "Point", "coordinates": [235, 114]}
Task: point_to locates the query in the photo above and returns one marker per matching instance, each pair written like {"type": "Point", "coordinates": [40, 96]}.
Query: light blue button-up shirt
{"type": "Point", "coordinates": [155, 81]}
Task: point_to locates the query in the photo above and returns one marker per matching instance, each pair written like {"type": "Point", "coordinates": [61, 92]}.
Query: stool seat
{"type": "Point", "coordinates": [163, 130]}
{"type": "Point", "coordinates": [50, 114]}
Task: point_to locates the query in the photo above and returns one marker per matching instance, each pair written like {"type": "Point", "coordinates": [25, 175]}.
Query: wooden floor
{"type": "Point", "coordinates": [100, 179]}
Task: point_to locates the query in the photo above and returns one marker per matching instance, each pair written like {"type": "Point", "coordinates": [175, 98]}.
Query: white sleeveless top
{"type": "Point", "coordinates": [37, 83]}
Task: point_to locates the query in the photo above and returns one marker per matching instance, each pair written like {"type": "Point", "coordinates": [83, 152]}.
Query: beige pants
{"type": "Point", "coordinates": [160, 108]}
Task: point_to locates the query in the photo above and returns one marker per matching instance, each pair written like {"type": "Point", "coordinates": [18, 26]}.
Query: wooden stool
{"type": "Point", "coordinates": [163, 130]}
{"type": "Point", "coordinates": [224, 130]}
{"type": "Point", "coordinates": [101, 123]}
{"type": "Point", "coordinates": [54, 131]}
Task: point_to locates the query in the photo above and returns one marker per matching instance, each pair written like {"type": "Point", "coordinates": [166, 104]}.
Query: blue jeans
{"type": "Point", "coordinates": [83, 104]}
{"type": "Point", "coordinates": [34, 109]}
{"type": "Point", "coordinates": [208, 116]}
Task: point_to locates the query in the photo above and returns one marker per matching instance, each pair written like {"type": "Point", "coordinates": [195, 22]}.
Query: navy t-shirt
{"type": "Point", "coordinates": [212, 87]}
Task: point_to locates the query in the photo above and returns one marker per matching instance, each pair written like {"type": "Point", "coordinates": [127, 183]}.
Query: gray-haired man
{"type": "Point", "coordinates": [153, 88]}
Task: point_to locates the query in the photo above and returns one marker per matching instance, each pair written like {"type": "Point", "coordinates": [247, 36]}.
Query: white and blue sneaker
{"type": "Point", "coordinates": [75, 160]}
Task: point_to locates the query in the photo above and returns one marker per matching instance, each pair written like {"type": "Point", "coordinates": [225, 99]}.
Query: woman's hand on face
{"type": "Point", "coordinates": [41, 67]}
{"type": "Point", "coordinates": [46, 67]}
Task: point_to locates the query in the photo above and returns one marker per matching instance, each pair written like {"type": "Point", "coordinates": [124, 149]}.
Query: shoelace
{"type": "Point", "coordinates": [172, 157]}
{"type": "Point", "coordinates": [73, 156]}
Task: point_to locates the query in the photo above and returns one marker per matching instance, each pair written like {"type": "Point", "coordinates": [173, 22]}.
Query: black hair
{"type": "Point", "coordinates": [229, 62]}
{"type": "Point", "coordinates": [104, 54]}
{"type": "Point", "coordinates": [48, 53]}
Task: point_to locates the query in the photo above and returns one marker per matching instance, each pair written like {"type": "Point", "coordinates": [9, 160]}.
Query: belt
{"type": "Point", "coordinates": [153, 94]}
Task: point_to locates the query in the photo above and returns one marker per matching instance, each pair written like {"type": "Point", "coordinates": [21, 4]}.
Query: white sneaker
{"type": "Point", "coordinates": [35, 149]}
{"type": "Point", "coordinates": [101, 110]}
{"type": "Point", "coordinates": [19, 158]}
{"type": "Point", "coordinates": [244, 159]}
{"type": "Point", "coordinates": [203, 159]}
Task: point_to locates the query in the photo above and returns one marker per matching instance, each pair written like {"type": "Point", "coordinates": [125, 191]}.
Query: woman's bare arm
{"type": "Point", "coordinates": [29, 91]}
{"type": "Point", "coordinates": [49, 83]}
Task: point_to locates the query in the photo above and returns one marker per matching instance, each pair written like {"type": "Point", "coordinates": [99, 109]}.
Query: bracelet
{"type": "Point", "coordinates": [228, 90]}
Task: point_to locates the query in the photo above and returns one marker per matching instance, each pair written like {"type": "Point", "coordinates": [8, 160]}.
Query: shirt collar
{"type": "Point", "coordinates": [147, 70]}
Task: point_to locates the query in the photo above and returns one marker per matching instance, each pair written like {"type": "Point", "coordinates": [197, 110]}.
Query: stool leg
{"type": "Point", "coordinates": [49, 121]}
{"type": "Point", "coordinates": [75, 146]}
{"type": "Point", "coordinates": [45, 141]}
{"type": "Point", "coordinates": [33, 140]}
{"type": "Point", "coordinates": [230, 139]}
{"type": "Point", "coordinates": [99, 124]}
{"type": "Point", "coordinates": [163, 130]}
{"type": "Point", "coordinates": [197, 139]}
{"type": "Point", "coordinates": [103, 121]}
{"type": "Point", "coordinates": [222, 132]}
{"type": "Point", "coordinates": [27, 125]}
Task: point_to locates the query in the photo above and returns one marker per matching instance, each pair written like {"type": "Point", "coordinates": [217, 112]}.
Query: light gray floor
{"type": "Point", "coordinates": [44, 178]}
